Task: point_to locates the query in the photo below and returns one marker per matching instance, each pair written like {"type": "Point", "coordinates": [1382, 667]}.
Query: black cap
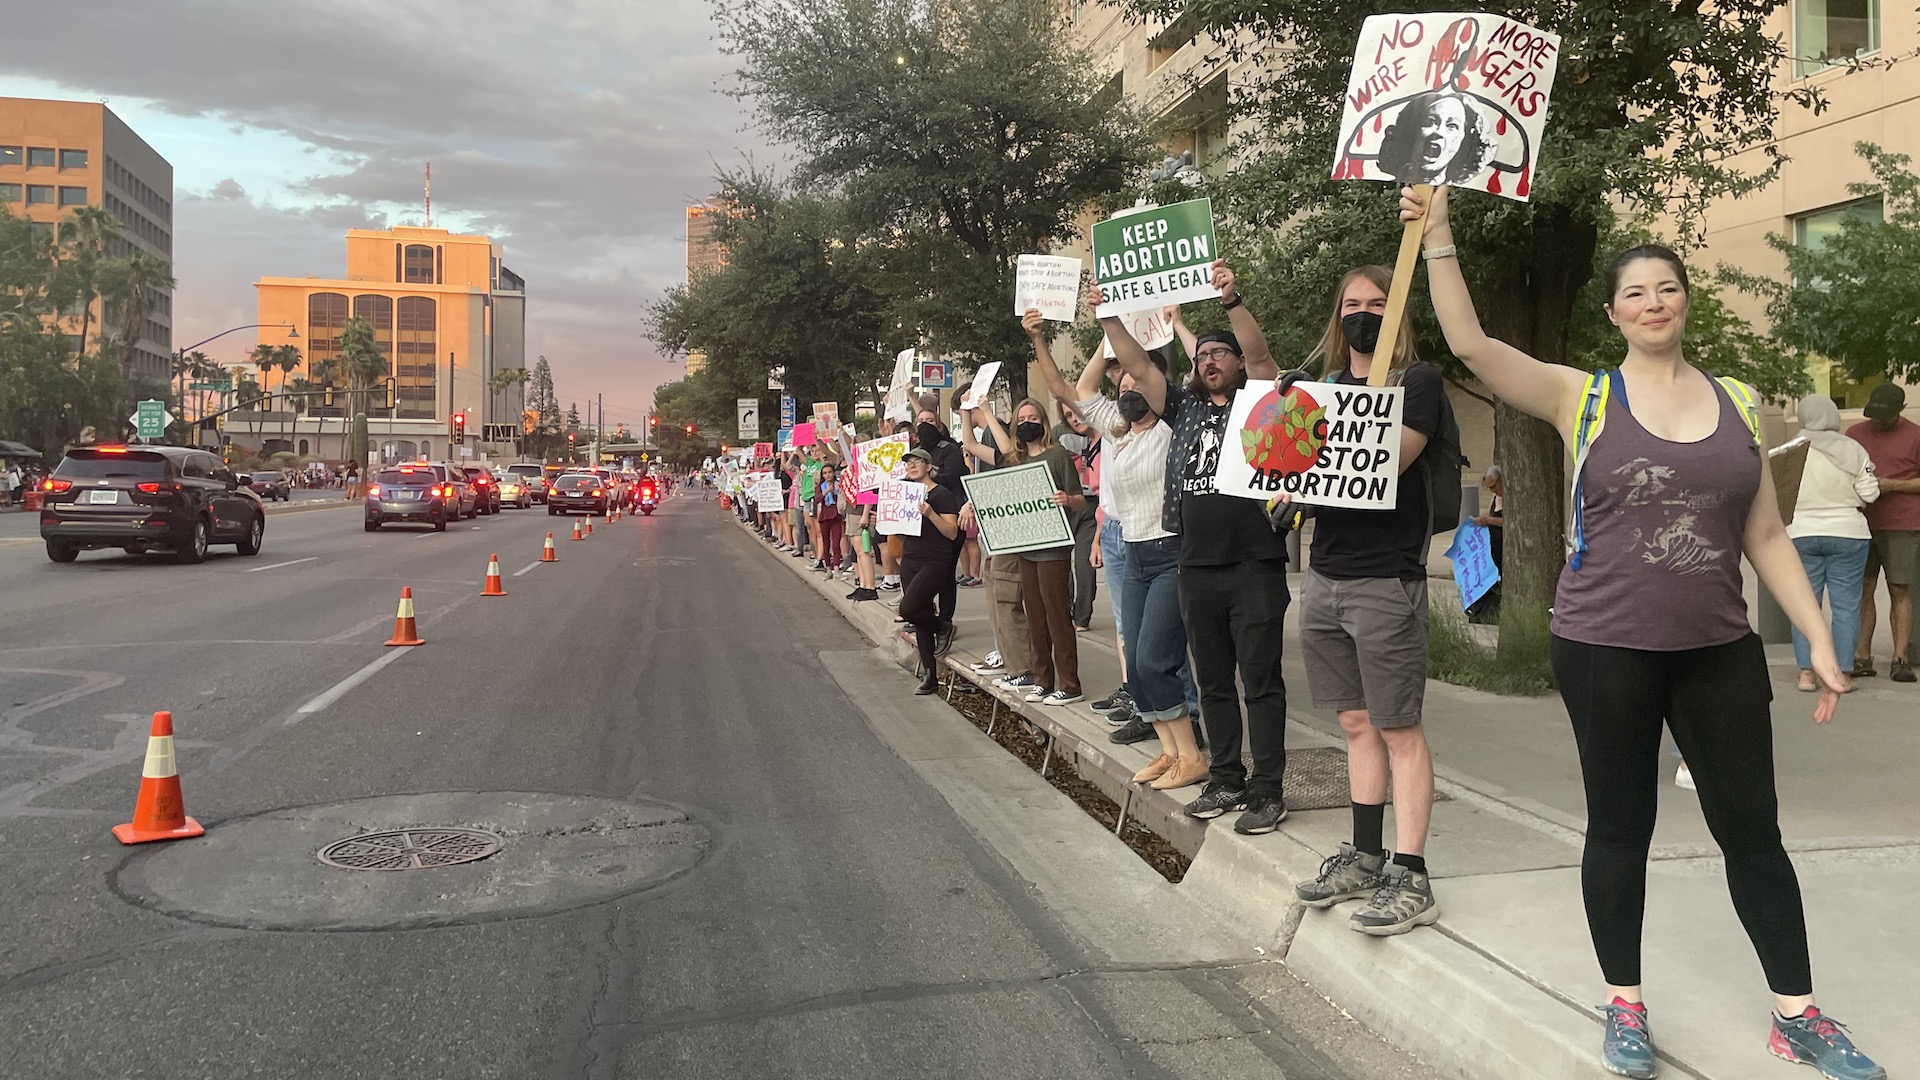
{"type": "Point", "coordinates": [1885, 402]}
{"type": "Point", "coordinates": [1225, 337]}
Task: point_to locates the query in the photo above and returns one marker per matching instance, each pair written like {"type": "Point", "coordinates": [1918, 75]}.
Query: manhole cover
{"type": "Point", "coordinates": [410, 849]}
{"type": "Point", "coordinates": [1316, 779]}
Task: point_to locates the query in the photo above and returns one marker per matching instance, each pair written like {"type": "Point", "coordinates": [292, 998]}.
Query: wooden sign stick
{"type": "Point", "coordinates": [1397, 295]}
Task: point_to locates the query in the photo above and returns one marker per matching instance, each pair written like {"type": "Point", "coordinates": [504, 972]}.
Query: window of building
{"type": "Point", "coordinates": [41, 230]}
{"type": "Point", "coordinates": [1826, 32]}
{"type": "Point", "coordinates": [9, 193]}
{"type": "Point", "coordinates": [73, 196]}
{"type": "Point", "coordinates": [326, 317]}
{"type": "Point", "coordinates": [415, 321]}
{"type": "Point", "coordinates": [73, 159]}
{"type": "Point", "coordinates": [10, 155]}
{"type": "Point", "coordinates": [418, 264]}
{"type": "Point", "coordinates": [39, 193]}
{"type": "Point", "coordinates": [40, 156]}
{"type": "Point", "coordinates": [1178, 34]}
{"type": "Point", "coordinates": [74, 342]}
{"type": "Point", "coordinates": [1815, 231]}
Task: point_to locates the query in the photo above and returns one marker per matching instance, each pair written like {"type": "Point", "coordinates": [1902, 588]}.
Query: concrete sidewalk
{"type": "Point", "coordinates": [1504, 984]}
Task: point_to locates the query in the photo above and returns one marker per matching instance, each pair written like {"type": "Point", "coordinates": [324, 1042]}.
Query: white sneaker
{"type": "Point", "coordinates": [1683, 778]}
{"type": "Point", "coordinates": [992, 663]}
{"type": "Point", "coordinates": [1038, 695]}
{"type": "Point", "coordinates": [1061, 697]}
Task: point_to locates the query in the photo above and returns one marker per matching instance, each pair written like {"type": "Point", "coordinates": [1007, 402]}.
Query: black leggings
{"type": "Point", "coordinates": [1717, 703]}
{"type": "Point", "coordinates": [924, 582]}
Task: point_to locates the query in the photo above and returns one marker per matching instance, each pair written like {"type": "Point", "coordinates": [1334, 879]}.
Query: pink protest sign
{"type": "Point", "coordinates": [1440, 98]}
{"type": "Point", "coordinates": [804, 435]}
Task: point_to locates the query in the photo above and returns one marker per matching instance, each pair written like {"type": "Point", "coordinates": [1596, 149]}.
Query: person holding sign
{"type": "Point", "coordinates": [926, 568]}
{"type": "Point", "coordinates": [1154, 647]}
{"type": "Point", "coordinates": [1670, 490]}
{"type": "Point", "coordinates": [1233, 562]}
{"type": "Point", "coordinates": [1363, 628]}
{"type": "Point", "coordinates": [1046, 575]}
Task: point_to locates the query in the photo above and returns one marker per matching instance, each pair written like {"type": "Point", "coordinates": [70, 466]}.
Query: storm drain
{"type": "Point", "coordinates": [1316, 779]}
{"type": "Point", "coordinates": [410, 849]}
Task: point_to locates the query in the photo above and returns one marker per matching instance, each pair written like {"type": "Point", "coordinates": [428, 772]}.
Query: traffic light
{"type": "Point", "coordinates": [393, 391]}
{"type": "Point", "coordinates": [457, 429]}
{"type": "Point", "coordinates": [653, 421]}
{"type": "Point", "coordinates": [326, 396]}
{"type": "Point", "coordinates": [266, 402]}
{"type": "Point", "coordinates": [571, 436]}
{"type": "Point", "coordinates": [689, 429]}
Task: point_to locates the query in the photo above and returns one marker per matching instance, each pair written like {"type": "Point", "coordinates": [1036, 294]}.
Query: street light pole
{"type": "Point", "coordinates": [179, 355]}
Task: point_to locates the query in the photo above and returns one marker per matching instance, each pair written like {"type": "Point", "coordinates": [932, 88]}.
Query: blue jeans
{"type": "Point", "coordinates": [1156, 649]}
{"type": "Point", "coordinates": [1113, 553]}
{"type": "Point", "coordinates": [1837, 565]}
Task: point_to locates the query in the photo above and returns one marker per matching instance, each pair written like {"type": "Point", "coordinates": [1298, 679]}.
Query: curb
{"type": "Point", "coordinates": [310, 505]}
{"type": "Point", "coordinates": [1469, 1016]}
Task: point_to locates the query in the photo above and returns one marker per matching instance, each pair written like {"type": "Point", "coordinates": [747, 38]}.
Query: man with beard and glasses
{"type": "Point", "coordinates": [1233, 562]}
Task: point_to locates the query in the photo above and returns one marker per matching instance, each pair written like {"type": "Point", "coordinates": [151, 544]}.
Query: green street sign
{"type": "Point", "coordinates": [220, 386]}
{"type": "Point", "coordinates": [1154, 257]}
{"type": "Point", "coordinates": [150, 419]}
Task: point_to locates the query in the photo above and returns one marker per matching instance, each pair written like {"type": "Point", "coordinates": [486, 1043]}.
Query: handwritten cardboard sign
{"type": "Point", "coordinates": [1155, 256]}
{"type": "Point", "coordinates": [1473, 569]}
{"type": "Point", "coordinates": [1440, 98]}
{"type": "Point", "coordinates": [826, 417]}
{"type": "Point", "coordinates": [1050, 283]}
{"type": "Point", "coordinates": [898, 511]}
{"type": "Point", "coordinates": [1325, 444]}
{"type": "Point", "coordinates": [763, 451]}
{"type": "Point", "coordinates": [768, 496]}
{"type": "Point", "coordinates": [804, 434]}
{"type": "Point", "coordinates": [880, 459]}
{"type": "Point", "coordinates": [982, 385]}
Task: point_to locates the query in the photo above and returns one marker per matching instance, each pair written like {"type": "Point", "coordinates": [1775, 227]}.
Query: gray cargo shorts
{"type": "Point", "coordinates": [1365, 646]}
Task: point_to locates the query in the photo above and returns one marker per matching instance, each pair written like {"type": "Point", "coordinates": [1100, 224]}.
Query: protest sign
{"type": "Point", "coordinates": [763, 451]}
{"type": "Point", "coordinates": [1016, 510]}
{"type": "Point", "coordinates": [1050, 283]}
{"type": "Point", "coordinates": [1151, 328]}
{"type": "Point", "coordinates": [982, 385]}
{"type": "Point", "coordinates": [768, 496]}
{"type": "Point", "coordinates": [898, 511]}
{"type": "Point", "coordinates": [1473, 569]}
{"type": "Point", "coordinates": [1788, 462]}
{"type": "Point", "coordinates": [880, 459]}
{"type": "Point", "coordinates": [1155, 256]}
{"type": "Point", "coordinates": [1325, 444]}
{"type": "Point", "coordinates": [1457, 99]}
{"type": "Point", "coordinates": [897, 407]}
{"type": "Point", "coordinates": [804, 434]}
{"type": "Point", "coordinates": [826, 417]}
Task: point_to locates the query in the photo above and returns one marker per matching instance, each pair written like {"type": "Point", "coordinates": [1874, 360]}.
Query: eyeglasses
{"type": "Point", "coordinates": [1214, 354]}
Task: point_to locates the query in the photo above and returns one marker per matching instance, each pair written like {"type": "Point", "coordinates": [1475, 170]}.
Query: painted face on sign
{"type": "Point", "coordinates": [1441, 132]}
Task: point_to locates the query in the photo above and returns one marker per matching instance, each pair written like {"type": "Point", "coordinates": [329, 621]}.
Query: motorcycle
{"type": "Point", "coordinates": [648, 500]}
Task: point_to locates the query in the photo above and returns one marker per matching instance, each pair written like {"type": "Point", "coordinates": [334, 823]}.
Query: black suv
{"type": "Point", "coordinates": [147, 498]}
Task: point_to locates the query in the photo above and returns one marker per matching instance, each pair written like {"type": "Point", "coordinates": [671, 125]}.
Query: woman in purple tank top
{"type": "Point", "coordinates": [1650, 628]}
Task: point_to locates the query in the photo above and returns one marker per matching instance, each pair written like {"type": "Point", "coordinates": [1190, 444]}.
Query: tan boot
{"type": "Point", "coordinates": [1155, 768]}
{"type": "Point", "coordinates": [1186, 772]}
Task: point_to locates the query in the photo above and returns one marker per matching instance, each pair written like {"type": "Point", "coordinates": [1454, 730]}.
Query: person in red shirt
{"type": "Point", "coordinates": [1893, 444]}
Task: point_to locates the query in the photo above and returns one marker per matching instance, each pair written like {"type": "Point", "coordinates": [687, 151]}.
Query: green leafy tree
{"type": "Point", "coordinates": [357, 366]}
{"type": "Point", "coordinates": [1856, 297]}
{"type": "Point", "coordinates": [49, 393]}
{"type": "Point", "coordinates": [1652, 104]}
{"type": "Point", "coordinates": [962, 133]}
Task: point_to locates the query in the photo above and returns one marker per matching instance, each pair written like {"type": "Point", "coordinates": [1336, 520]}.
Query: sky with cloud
{"type": "Point", "coordinates": [574, 132]}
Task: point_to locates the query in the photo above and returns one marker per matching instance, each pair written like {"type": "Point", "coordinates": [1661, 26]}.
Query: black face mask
{"type": "Point", "coordinates": [928, 436]}
{"type": "Point", "coordinates": [1029, 432]}
{"type": "Point", "coordinates": [1362, 331]}
{"type": "Point", "coordinates": [1133, 406]}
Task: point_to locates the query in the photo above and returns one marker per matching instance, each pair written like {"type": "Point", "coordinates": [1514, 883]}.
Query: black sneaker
{"type": "Point", "coordinates": [1136, 730]}
{"type": "Point", "coordinates": [1215, 800]}
{"type": "Point", "coordinates": [1115, 701]}
{"type": "Point", "coordinates": [854, 595]}
{"type": "Point", "coordinates": [1264, 814]}
{"type": "Point", "coordinates": [943, 640]}
{"type": "Point", "coordinates": [864, 594]}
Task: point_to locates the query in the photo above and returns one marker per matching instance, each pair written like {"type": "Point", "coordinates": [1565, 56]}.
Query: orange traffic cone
{"type": "Point", "coordinates": [493, 587]}
{"type": "Point", "coordinates": [615, 515]}
{"type": "Point", "coordinates": [589, 524]}
{"type": "Point", "coordinates": [159, 813]}
{"type": "Point", "coordinates": [576, 530]}
{"type": "Point", "coordinates": [403, 630]}
{"type": "Point", "coordinates": [547, 554]}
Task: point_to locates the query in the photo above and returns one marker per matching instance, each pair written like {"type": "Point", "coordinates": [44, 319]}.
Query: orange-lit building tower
{"type": "Point", "coordinates": [446, 313]}
{"type": "Point", "coordinates": [59, 155]}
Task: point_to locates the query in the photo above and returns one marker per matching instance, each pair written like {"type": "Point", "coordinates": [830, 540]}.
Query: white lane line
{"type": "Point", "coordinates": [340, 688]}
{"type": "Point", "coordinates": [278, 565]}
{"type": "Point", "coordinates": [526, 568]}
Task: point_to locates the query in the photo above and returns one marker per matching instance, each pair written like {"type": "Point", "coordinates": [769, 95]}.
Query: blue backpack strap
{"type": "Point", "coordinates": [1586, 427]}
{"type": "Point", "coordinates": [1748, 401]}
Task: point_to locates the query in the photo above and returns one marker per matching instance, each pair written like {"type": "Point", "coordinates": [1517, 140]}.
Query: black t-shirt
{"type": "Point", "coordinates": [1350, 544]}
{"type": "Point", "coordinates": [950, 464]}
{"type": "Point", "coordinates": [1215, 529]}
{"type": "Point", "coordinates": [932, 544]}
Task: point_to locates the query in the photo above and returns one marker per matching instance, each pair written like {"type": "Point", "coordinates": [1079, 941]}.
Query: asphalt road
{"type": "Point", "coordinates": [840, 917]}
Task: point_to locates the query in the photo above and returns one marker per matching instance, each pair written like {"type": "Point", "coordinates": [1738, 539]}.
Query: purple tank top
{"type": "Point", "coordinates": [1663, 531]}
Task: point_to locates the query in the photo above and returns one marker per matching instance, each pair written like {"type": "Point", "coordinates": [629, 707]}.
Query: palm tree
{"type": "Point", "coordinates": [83, 246]}
{"type": "Point", "coordinates": [359, 364]}
{"type": "Point", "coordinates": [269, 357]}
{"type": "Point", "coordinates": [500, 382]}
{"type": "Point", "coordinates": [130, 289]}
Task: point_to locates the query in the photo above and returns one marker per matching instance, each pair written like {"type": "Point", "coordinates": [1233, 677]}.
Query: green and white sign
{"type": "Point", "coordinates": [150, 420]}
{"type": "Point", "coordinates": [1016, 510]}
{"type": "Point", "coordinates": [1155, 256]}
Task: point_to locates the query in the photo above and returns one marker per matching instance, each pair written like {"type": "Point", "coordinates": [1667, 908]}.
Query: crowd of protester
{"type": "Point", "coordinates": [1650, 625]}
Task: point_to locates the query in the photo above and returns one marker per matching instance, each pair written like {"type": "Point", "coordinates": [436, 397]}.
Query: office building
{"type": "Point", "coordinates": [56, 156]}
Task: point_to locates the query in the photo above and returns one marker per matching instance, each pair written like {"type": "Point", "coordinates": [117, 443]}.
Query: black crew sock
{"type": "Point", "coordinates": [1369, 819]}
{"type": "Point", "coordinates": [1415, 863]}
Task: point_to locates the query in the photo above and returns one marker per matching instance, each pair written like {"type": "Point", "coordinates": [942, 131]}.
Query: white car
{"type": "Point", "coordinates": [515, 490]}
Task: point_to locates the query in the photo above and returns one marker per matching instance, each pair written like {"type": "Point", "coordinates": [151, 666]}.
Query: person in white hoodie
{"type": "Point", "coordinates": [1828, 528]}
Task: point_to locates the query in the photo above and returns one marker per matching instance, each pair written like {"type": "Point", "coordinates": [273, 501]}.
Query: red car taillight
{"type": "Point", "coordinates": [150, 489]}
{"type": "Point", "coordinates": [373, 489]}
{"type": "Point", "coordinates": [596, 491]}
{"type": "Point", "coordinates": [56, 485]}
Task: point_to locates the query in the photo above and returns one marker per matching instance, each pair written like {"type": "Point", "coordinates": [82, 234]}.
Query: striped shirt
{"type": "Point", "coordinates": [1133, 470]}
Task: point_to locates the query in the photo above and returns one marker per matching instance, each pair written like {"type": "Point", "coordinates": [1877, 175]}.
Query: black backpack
{"type": "Point", "coordinates": [1440, 465]}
